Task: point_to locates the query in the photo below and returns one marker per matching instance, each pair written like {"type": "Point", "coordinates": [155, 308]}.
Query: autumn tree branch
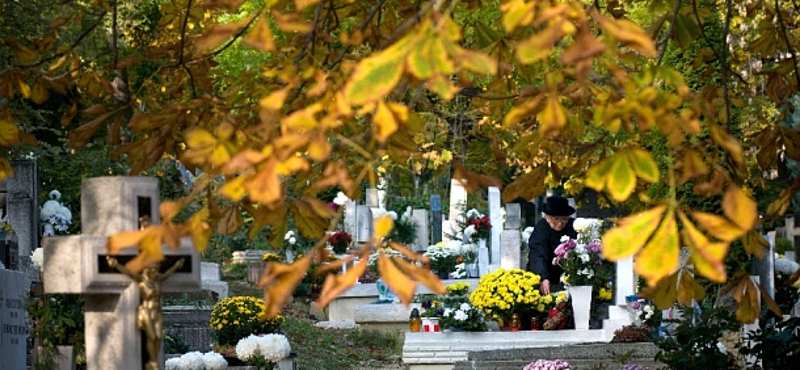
{"type": "Point", "coordinates": [724, 62]}
{"type": "Point", "coordinates": [714, 50]}
{"type": "Point", "coordinates": [785, 39]}
{"type": "Point", "coordinates": [664, 43]}
{"type": "Point", "coordinates": [72, 46]}
{"type": "Point", "coordinates": [311, 38]}
{"type": "Point", "coordinates": [361, 28]}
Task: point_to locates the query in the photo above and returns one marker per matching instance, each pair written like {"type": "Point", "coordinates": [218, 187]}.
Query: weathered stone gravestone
{"type": "Point", "coordinates": [78, 265]}
{"type": "Point", "coordinates": [21, 196]}
{"type": "Point", "coordinates": [510, 239]}
{"type": "Point", "coordinates": [13, 328]}
{"type": "Point", "coordinates": [421, 238]}
{"type": "Point", "coordinates": [436, 219]}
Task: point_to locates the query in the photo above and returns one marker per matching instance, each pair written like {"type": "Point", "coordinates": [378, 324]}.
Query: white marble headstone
{"type": "Point", "coordinates": [458, 201]}
{"type": "Point", "coordinates": [422, 239]}
{"type": "Point", "coordinates": [496, 218]}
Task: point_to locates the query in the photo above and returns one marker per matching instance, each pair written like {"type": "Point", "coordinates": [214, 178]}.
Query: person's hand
{"type": "Point", "coordinates": [545, 287]}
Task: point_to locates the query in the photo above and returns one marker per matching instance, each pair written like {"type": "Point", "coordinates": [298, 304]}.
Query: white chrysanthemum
{"type": "Point", "coordinates": [447, 312]}
{"type": "Point", "coordinates": [55, 195]}
{"type": "Point", "coordinates": [247, 347]}
{"type": "Point", "coordinates": [192, 361]}
{"type": "Point", "coordinates": [786, 266]}
{"type": "Point", "coordinates": [464, 307]}
{"type": "Point", "coordinates": [469, 231]}
{"type": "Point", "coordinates": [565, 238]}
{"type": "Point", "coordinates": [580, 248]}
{"type": "Point", "coordinates": [341, 199]}
{"type": "Point", "coordinates": [274, 347]}
{"type": "Point", "coordinates": [408, 215]}
{"type": "Point", "coordinates": [214, 361]}
{"type": "Point", "coordinates": [37, 258]}
{"type": "Point", "coordinates": [469, 247]}
{"type": "Point", "coordinates": [585, 258]}
{"type": "Point", "coordinates": [173, 364]}
{"type": "Point", "coordinates": [289, 234]}
{"type": "Point", "coordinates": [50, 209]}
{"type": "Point", "coordinates": [292, 241]}
{"type": "Point", "coordinates": [461, 316]}
{"type": "Point", "coordinates": [392, 215]}
{"type": "Point", "coordinates": [473, 213]}
{"type": "Point", "coordinates": [526, 234]}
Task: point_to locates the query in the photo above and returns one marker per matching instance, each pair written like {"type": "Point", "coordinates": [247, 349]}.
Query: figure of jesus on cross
{"type": "Point", "coordinates": [149, 316]}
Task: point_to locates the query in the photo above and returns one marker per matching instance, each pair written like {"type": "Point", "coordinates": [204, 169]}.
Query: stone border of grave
{"type": "Point", "coordinates": [441, 351]}
{"type": "Point", "coordinates": [580, 356]}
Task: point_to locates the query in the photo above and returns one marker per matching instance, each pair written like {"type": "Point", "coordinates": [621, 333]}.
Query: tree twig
{"type": "Point", "coordinates": [72, 46]}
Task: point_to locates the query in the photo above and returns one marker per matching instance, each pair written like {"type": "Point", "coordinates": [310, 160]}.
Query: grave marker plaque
{"type": "Point", "coordinates": [13, 327]}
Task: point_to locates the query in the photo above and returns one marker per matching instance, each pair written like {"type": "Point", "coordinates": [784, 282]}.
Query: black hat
{"type": "Point", "coordinates": [558, 206]}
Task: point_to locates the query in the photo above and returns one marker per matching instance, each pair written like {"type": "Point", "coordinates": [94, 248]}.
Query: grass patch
{"type": "Point", "coordinates": [319, 348]}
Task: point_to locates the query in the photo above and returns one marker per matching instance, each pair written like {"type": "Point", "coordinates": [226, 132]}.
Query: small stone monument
{"type": "Point", "coordinates": [458, 200]}
{"type": "Point", "coordinates": [14, 329]}
{"type": "Point", "coordinates": [78, 264]}
{"type": "Point", "coordinates": [510, 242]}
{"type": "Point", "coordinates": [436, 219]}
{"type": "Point", "coordinates": [496, 218]}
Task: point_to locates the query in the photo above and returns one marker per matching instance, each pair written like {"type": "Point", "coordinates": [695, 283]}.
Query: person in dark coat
{"type": "Point", "coordinates": [545, 239]}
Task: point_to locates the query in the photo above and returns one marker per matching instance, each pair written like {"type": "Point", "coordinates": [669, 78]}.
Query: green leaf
{"type": "Point", "coordinates": [377, 75]}
{"type": "Point", "coordinates": [644, 165]}
{"type": "Point", "coordinates": [621, 179]}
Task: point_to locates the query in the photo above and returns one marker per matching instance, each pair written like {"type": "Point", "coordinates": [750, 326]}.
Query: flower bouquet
{"type": "Point", "coordinates": [547, 303]}
{"type": "Point", "coordinates": [55, 214]}
{"type": "Point", "coordinates": [263, 351]}
{"type": "Point", "coordinates": [477, 226]}
{"type": "Point", "coordinates": [340, 240]}
{"type": "Point", "coordinates": [583, 264]}
{"type": "Point", "coordinates": [271, 257]}
{"type": "Point", "coordinates": [503, 292]}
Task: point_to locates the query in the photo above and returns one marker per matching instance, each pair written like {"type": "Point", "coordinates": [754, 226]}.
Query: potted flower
{"type": "Point", "coordinates": [503, 293]}
{"type": "Point", "coordinates": [197, 360]}
{"type": "Point", "coordinates": [544, 308]}
{"type": "Point", "coordinates": [458, 314]}
{"type": "Point", "coordinates": [585, 269]}
{"type": "Point", "coordinates": [339, 241]}
{"type": "Point", "coordinates": [443, 258]}
{"type": "Point", "coordinates": [263, 351]}
{"type": "Point", "coordinates": [234, 318]}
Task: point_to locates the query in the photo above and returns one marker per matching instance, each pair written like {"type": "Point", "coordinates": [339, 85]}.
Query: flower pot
{"type": "Point", "coordinates": [581, 298]}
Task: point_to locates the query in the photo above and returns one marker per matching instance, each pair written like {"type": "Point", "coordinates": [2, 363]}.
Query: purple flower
{"type": "Point", "coordinates": [426, 304]}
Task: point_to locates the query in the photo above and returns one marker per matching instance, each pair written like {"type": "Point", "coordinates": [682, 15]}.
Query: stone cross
{"type": "Point", "coordinates": [458, 201]}
{"type": "Point", "coordinates": [510, 241]}
{"type": "Point", "coordinates": [22, 208]}
{"type": "Point", "coordinates": [77, 264]}
{"type": "Point", "coordinates": [436, 219]}
{"type": "Point", "coordinates": [496, 218]}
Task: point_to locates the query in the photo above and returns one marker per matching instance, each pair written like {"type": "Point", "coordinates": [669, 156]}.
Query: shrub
{"type": "Point", "coordinates": [235, 318]}
{"type": "Point", "coordinates": [777, 344]}
{"type": "Point", "coordinates": [694, 342]}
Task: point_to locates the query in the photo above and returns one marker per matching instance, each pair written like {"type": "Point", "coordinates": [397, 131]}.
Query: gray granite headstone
{"type": "Point", "coordinates": [22, 205]}
{"type": "Point", "coordinates": [421, 239]}
{"type": "Point", "coordinates": [13, 328]}
{"type": "Point", "coordinates": [512, 216]}
{"type": "Point", "coordinates": [373, 200]}
{"type": "Point", "coordinates": [436, 219]}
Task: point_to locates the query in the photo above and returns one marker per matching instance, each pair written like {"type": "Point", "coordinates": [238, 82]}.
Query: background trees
{"type": "Point", "coordinates": [607, 95]}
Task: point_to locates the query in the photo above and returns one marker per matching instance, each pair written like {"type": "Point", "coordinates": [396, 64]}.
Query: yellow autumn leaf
{"type": "Point", "coordinates": [279, 281]}
{"type": "Point", "coordinates": [739, 207]}
{"type": "Point", "coordinates": [5, 169]}
{"type": "Point", "coordinates": [597, 178]}
{"type": "Point", "coordinates": [661, 255]}
{"type": "Point", "coordinates": [629, 236]}
{"type": "Point", "coordinates": [517, 13]}
{"type": "Point", "coordinates": [717, 226]}
{"type": "Point", "coordinates": [9, 133]}
{"type": "Point", "coordinates": [219, 33]}
{"type": "Point", "coordinates": [274, 101]}
{"type": "Point", "coordinates": [628, 33]}
{"type": "Point", "coordinates": [376, 75]}
{"type": "Point", "coordinates": [644, 165]}
{"type": "Point", "coordinates": [383, 225]}
{"type": "Point", "coordinates": [755, 244]}
{"type": "Point", "coordinates": [621, 179]}
{"type": "Point", "coordinates": [384, 123]}
{"type": "Point", "coordinates": [396, 279]}
{"type": "Point", "coordinates": [336, 284]}
{"type": "Point", "coordinates": [123, 240]}
{"type": "Point", "coordinates": [419, 61]}
{"type": "Point", "coordinates": [234, 189]}
{"type": "Point", "coordinates": [539, 45]}
{"type": "Point", "coordinates": [708, 258]}
{"type": "Point", "coordinates": [478, 62]}
{"type": "Point", "coordinates": [553, 117]}
{"type": "Point", "coordinates": [689, 290]}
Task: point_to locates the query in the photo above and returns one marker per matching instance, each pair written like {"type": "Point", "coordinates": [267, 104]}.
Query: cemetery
{"type": "Point", "coordinates": [399, 185]}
